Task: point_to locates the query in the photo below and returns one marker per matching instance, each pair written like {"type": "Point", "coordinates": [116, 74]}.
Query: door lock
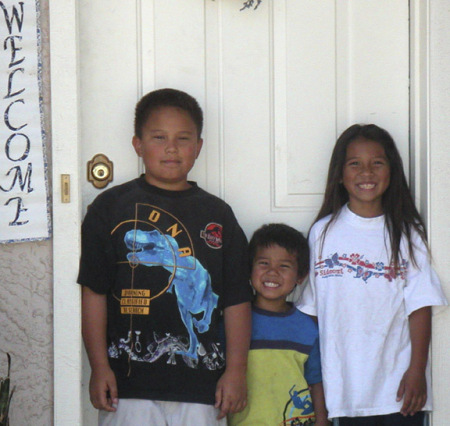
{"type": "Point", "coordinates": [100, 171]}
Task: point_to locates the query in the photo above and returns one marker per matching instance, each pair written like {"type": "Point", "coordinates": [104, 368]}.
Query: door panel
{"type": "Point", "coordinates": [278, 84]}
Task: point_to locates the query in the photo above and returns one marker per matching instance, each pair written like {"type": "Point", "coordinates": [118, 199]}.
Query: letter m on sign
{"type": "Point", "coordinates": [22, 181]}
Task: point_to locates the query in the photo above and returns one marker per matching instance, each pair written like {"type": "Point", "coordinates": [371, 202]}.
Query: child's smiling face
{"type": "Point", "coordinates": [274, 276]}
{"type": "Point", "coordinates": [366, 176]}
{"type": "Point", "coordinates": [169, 147]}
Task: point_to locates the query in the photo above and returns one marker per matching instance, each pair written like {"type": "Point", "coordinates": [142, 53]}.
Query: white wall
{"type": "Point", "coordinates": [440, 197]}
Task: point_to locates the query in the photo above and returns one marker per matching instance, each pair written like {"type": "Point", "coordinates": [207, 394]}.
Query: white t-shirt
{"type": "Point", "coordinates": [363, 308]}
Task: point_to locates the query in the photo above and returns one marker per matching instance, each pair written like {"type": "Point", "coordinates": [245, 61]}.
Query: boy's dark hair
{"type": "Point", "coordinates": [398, 206]}
{"type": "Point", "coordinates": [284, 236]}
{"type": "Point", "coordinates": [167, 98]}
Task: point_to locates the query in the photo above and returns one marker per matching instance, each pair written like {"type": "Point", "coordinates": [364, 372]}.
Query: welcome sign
{"type": "Point", "coordinates": [24, 212]}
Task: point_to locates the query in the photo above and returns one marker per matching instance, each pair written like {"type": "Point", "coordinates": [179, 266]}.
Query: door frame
{"type": "Point", "coordinates": [65, 135]}
{"type": "Point", "coordinates": [65, 125]}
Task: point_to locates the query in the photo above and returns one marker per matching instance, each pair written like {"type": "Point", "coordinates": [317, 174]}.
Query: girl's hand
{"type": "Point", "coordinates": [413, 390]}
{"type": "Point", "coordinates": [413, 386]}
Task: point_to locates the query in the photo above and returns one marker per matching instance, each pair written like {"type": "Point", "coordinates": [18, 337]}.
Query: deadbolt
{"type": "Point", "coordinates": [100, 171]}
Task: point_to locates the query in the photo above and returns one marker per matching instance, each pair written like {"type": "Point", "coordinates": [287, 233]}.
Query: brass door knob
{"type": "Point", "coordinates": [100, 171]}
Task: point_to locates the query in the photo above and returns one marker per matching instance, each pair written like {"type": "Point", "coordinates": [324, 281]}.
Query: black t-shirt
{"type": "Point", "coordinates": [169, 263]}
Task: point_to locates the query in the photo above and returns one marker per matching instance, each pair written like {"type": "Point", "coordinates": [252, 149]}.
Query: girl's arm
{"type": "Point", "coordinates": [318, 400]}
{"type": "Point", "coordinates": [413, 386]}
{"type": "Point", "coordinates": [102, 386]}
{"type": "Point", "coordinates": [231, 390]}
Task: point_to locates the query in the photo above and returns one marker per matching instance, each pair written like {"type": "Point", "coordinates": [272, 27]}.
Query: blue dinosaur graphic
{"type": "Point", "coordinates": [191, 281]}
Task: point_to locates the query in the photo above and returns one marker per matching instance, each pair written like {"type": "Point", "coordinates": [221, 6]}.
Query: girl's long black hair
{"type": "Point", "coordinates": [398, 206]}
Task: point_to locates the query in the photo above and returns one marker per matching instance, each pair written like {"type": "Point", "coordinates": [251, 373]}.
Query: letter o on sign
{"type": "Point", "coordinates": [19, 150]}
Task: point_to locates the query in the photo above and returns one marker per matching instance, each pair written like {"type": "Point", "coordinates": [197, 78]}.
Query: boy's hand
{"type": "Point", "coordinates": [413, 390]}
{"type": "Point", "coordinates": [322, 422]}
{"type": "Point", "coordinates": [231, 392]}
{"type": "Point", "coordinates": [318, 400]}
{"type": "Point", "coordinates": [231, 389]}
{"type": "Point", "coordinates": [103, 389]}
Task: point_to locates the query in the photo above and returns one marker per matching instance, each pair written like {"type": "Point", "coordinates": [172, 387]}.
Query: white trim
{"type": "Point", "coordinates": [419, 106]}
{"type": "Point", "coordinates": [145, 35]}
{"type": "Point", "coordinates": [437, 154]}
{"type": "Point", "coordinates": [278, 98]}
{"type": "Point", "coordinates": [66, 217]}
{"type": "Point", "coordinates": [420, 160]}
{"type": "Point", "coordinates": [145, 40]}
{"type": "Point", "coordinates": [214, 112]}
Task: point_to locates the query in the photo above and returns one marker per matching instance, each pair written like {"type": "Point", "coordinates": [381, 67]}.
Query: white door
{"type": "Point", "coordinates": [277, 84]}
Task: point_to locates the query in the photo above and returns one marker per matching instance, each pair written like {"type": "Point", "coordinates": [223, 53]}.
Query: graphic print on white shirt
{"type": "Point", "coordinates": [358, 266]}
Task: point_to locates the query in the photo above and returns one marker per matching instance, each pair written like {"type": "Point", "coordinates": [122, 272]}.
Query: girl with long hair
{"type": "Point", "coordinates": [372, 286]}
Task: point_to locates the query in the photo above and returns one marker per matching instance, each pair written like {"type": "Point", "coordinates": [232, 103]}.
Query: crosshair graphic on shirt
{"type": "Point", "coordinates": [156, 238]}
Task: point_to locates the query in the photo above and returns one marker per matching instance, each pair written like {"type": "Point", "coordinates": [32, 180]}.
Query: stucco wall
{"type": "Point", "coordinates": [26, 317]}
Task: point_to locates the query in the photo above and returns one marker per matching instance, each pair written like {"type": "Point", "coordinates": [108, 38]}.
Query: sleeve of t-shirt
{"type": "Point", "coordinates": [423, 287]}
{"type": "Point", "coordinates": [313, 370]}
{"type": "Point", "coordinates": [235, 263]}
{"type": "Point", "coordinates": [97, 264]}
{"type": "Point", "coordinates": [308, 299]}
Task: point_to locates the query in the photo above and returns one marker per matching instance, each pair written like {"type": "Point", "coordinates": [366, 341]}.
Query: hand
{"type": "Point", "coordinates": [231, 392]}
{"type": "Point", "coordinates": [103, 389]}
{"type": "Point", "coordinates": [413, 390]}
{"type": "Point", "coordinates": [318, 400]}
{"type": "Point", "coordinates": [322, 422]}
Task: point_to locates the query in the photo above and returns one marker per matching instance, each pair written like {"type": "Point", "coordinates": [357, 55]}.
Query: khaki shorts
{"type": "Point", "coordinates": [140, 412]}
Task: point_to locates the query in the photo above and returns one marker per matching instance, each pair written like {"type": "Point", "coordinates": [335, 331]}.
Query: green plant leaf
{"type": "Point", "coordinates": [5, 396]}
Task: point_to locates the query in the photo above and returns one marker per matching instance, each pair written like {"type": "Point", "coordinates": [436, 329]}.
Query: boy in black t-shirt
{"type": "Point", "coordinates": [162, 262]}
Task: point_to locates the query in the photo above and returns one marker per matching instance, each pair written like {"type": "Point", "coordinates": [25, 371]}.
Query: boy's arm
{"type": "Point", "coordinates": [318, 400]}
{"type": "Point", "coordinates": [413, 386]}
{"type": "Point", "coordinates": [102, 386]}
{"type": "Point", "coordinates": [231, 390]}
